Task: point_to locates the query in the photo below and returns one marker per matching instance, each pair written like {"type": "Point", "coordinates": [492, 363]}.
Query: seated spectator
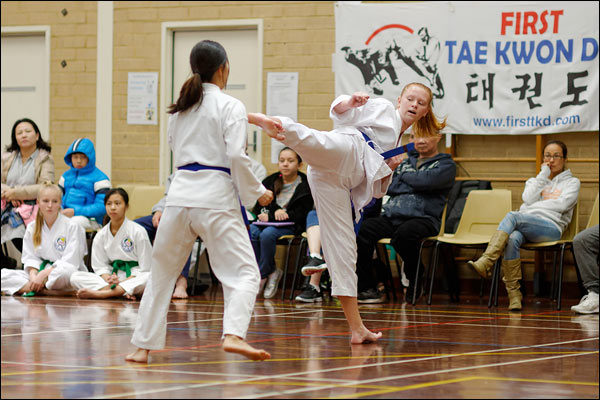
{"type": "Point", "coordinates": [53, 249]}
{"type": "Point", "coordinates": [585, 247]}
{"type": "Point", "coordinates": [418, 194]}
{"type": "Point", "coordinates": [548, 201]}
{"type": "Point", "coordinates": [150, 223]}
{"type": "Point", "coordinates": [121, 255]}
{"type": "Point", "coordinates": [26, 164]}
{"type": "Point", "coordinates": [83, 185]}
{"type": "Point", "coordinates": [292, 203]}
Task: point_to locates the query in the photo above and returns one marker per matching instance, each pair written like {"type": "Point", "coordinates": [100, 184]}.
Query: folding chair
{"type": "Point", "coordinates": [299, 256]}
{"type": "Point", "coordinates": [566, 241]}
{"type": "Point", "coordinates": [484, 209]}
{"type": "Point", "coordinates": [434, 240]}
{"type": "Point", "coordinates": [290, 240]}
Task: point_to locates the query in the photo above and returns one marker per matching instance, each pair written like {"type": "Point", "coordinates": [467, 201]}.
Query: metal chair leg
{"type": "Point", "coordinates": [418, 271]}
{"type": "Point", "coordinates": [432, 268]}
{"type": "Point", "coordinates": [560, 274]}
{"type": "Point", "coordinates": [301, 251]}
{"type": "Point", "coordinates": [287, 261]}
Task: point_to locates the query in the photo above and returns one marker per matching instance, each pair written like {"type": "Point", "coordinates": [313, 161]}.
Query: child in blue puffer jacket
{"type": "Point", "coordinates": [83, 186]}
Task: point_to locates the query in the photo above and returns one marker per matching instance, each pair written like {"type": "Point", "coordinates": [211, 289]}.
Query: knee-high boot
{"type": "Point", "coordinates": [484, 264]}
{"type": "Point", "coordinates": [512, 274]}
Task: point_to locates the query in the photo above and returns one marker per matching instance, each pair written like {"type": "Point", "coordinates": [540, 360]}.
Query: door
{"type": "Point", "coordinates": [242, 50]}
{"type": "Point", "coordinates": [24, 86]}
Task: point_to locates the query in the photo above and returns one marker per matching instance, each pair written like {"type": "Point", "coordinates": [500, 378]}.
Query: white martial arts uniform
{"type": "Point", "coordinates": [205, 203]}
{"type": "Point", "coordinates": [131, 243]}
{"type": "Point", "coordinates": [64, 245]}
{"type": "Point", "coordinates": [344, 171]}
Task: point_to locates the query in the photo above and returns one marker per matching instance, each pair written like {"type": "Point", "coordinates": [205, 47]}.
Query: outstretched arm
{"type": "Point", "coordinates": [271, 125]}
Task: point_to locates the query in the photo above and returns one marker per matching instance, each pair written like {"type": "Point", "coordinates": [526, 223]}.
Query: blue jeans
{"type": "Point", "coordinates": [526, 228]}
{"type": "Point", "coordinates": [146, 222]}
{"type": "Point", "coordinates": [264, 240]}
{"type": "Point", "coordinates": [312, 219]}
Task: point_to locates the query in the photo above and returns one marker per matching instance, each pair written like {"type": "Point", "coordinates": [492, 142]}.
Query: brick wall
{"type": "Point", "coordinates": [73, 87]}
{"type": "Point", "coordinates": [298, 36]}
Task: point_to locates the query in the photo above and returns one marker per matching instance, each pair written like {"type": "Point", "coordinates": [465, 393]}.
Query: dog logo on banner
{"type": "Point", "coordinates": [383, 58]}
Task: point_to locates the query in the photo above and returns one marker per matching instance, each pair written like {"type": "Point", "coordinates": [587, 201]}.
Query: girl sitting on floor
{"type": "Point", "coordinates": [53, 249]}
{"type": "Point", "coordinates": [121, 254]}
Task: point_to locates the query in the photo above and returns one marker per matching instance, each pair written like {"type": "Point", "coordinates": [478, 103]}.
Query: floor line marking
{"type": "Point", "coordinates": [137, 393]}
{"type": "Point", "coordinates": [123, 326]}
{"type": "Point", "coordinates": [274, 360]}
{"type": "Point", "coordinates": [374, 380]}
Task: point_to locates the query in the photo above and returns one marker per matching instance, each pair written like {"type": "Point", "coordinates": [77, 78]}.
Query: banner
{"type": "Point", "coordinates": [493, 67]}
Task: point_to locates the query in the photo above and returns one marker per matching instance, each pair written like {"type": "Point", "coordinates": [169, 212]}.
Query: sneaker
{"type": "Point", "coordinates": [313, 266]}
{"type": "Point", "coordinates": [588, 304]}
{"type": "Point", "coordinates": [325, 283]}
{"type": "Point", "coordinates": [371, 296]}
{"type": "Point", "coordinates": [272, 283]}
{"type": "Point", "coordinates": [310, 295]}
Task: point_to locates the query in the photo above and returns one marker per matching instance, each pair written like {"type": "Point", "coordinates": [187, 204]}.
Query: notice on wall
{"type": "Point", "coordinates": [142, 98]}
{"type": "Point", "coordinates": [282, 100]}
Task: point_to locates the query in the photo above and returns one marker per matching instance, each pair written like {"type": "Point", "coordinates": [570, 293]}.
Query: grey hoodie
{"type": "Point", "coordinates": [551, 199]}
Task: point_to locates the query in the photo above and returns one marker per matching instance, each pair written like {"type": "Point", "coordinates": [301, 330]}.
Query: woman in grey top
{"type": "Point", "coordinates": [26, 164]}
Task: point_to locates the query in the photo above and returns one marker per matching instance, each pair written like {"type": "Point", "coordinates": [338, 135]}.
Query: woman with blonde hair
{"type": "Point", "coordinates": [53, 249]}
{"type": "Point", "coordinates": [348, 167]}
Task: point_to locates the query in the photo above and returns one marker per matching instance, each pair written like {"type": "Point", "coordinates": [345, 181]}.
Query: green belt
{"type": "Point", "coordinates": [42, 266]}
{"type": "Point", "coordinates": [120, 265]}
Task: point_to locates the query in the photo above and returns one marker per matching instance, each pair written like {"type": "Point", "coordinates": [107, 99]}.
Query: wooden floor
{"type": "Point", "coordinates": [69, 348]}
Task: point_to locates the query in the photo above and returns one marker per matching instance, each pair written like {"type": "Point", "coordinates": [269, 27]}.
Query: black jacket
{"type": "Point", "coordinates": [422, 192]}
{"type": "Point", "coordinates": [298, 207]}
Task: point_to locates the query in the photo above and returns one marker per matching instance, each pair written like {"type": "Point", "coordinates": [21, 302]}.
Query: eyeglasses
{"type": "Point", "coordinates": [554, 156]}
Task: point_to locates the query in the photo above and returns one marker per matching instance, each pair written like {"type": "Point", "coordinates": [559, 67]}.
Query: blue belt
{"type": "Point", "coordinates": [390, 153]}
{"type": "Point", "coordinates": [200, 167]}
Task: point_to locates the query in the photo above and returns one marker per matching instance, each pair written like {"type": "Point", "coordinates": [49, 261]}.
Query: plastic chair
{"type": "Point", "coordinates": [290, 240]}
{"type": "Point", "coordinates": [594, 215]}
{"type": "Point", "coordinates": [142, 198]}
{"type": "Point", "coordinates": [301, 254]}
{"type": "Point", "coordinates": [382, 254]}
{"type": "Point", "coordinates": [566, 241]}
{"type": "Point", "coordinates": [381, 246]}
{"type": "Point", "coordinates": [433, 239]}
{"type": "Point", "coordinates": [484, 209]}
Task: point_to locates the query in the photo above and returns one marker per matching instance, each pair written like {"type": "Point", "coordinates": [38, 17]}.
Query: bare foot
{"type": "Point", "coordinates": [180, 291]}
{"type": "Point", "coordinates": [88, 294]}
{"type": "Point", "coordinates": [140, 356]}
{"type": "Point", "coordinates": [234, 344]}
{"type": "Point", "coordinates": [364, 336]}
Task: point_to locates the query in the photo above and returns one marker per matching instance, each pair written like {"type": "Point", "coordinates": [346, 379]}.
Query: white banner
{"type": "Point", "coordinates": [493, 67]}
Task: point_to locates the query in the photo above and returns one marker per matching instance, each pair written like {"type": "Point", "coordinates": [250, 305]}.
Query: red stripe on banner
{"type": "Point", "coordinates": [383, 28]}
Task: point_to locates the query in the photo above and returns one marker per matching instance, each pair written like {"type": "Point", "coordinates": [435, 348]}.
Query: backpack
{"type": "Point", "coordinates": [456, 201]}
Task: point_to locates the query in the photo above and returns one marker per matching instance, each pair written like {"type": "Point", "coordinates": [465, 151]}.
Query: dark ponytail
{"type": "Point", "coordinates": [205, 59]}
